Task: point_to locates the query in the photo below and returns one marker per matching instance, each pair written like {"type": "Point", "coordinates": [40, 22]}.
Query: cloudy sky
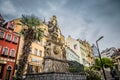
{"type": "Point", "coordinates": [84, 19]}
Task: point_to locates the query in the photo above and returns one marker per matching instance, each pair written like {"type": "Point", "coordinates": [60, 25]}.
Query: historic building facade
{"type": "Point", "coordinates": [86, 52]}
{"type": "Point", "coordinates": [116, 58]}
{"type": "Point", "coordinates": [89, 53]}
{"type": "Point", "coordinates": [36, 55]}
{"type": "Point", "coordinates": [9, 42]}
{"type": "Point", "coordinates": [82, 49]}
{"type": "Point", "coordinates": [71, 55]}
{"type": "Point", "coordinates": [74, 46]}
{"type": "Point", "coordinates": [108, 52]}
{"type": "Point", "coordinates": [83, 53]}
{"type": "Point", "coordinates": [94, 51]}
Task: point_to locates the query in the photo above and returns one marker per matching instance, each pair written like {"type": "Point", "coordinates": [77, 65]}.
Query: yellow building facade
{"type": "Point", "coordinates": [35, 58]}
{"type": "Point", "coordinates": [86, 53]}
{"type": "Point", "coordinates": [89, 53]}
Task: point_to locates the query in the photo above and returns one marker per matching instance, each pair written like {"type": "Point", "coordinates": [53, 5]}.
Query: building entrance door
{"type": "Point", "coordinates": [8, 72]}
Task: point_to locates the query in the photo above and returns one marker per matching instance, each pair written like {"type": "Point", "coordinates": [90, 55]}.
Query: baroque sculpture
{"type": "Point", "coordinates": [55, 55]}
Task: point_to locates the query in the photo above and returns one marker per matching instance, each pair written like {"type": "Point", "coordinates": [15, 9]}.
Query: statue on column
{"type": "Point", "coordinates": [55, 55]}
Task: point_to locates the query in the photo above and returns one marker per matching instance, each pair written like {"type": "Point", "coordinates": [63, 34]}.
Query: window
{"type": "Point", "coordinates": [5, 51]}
{"type": "Point", "coordinates": [35, 51]}
{"type": "Point", "coordinates": [2, 34]}
{"type": "Point", "coordinates": [11, 25]}
{"type": "Point", "coordinates": [75, 46]}
{"type": "Point", "coordinates": [36, 69]}
{"type": "Point", "coordinates": [12, 53]}
{"type": "Point", "coordinates": [8, 37]}
{"type": "Point", "coordinates": [15, 39]}
{"type": "Point", "coordinates": [40, 53]}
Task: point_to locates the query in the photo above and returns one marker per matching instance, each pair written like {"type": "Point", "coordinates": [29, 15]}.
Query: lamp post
{"type": "Point", "coordinates": [100, 57]}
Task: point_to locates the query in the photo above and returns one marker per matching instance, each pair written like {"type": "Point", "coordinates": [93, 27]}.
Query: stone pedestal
{"type": "Point", "coordinates": [55, 65]}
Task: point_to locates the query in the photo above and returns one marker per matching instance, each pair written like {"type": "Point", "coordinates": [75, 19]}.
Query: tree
{"type": "Point", "coordinates": [106, 63]}
{"type": "Point", "coordinates": [92, 74]}
{"type": "Point", "coordinates": [31, 32]}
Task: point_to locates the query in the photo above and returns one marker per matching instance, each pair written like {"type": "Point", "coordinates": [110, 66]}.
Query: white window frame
{"type": "Point", "coordinates": [14, 39]}
{"type": "Point", "coordinates": [7, 51]}
{"type": "Point", "coordinates": [7, 36]}
{"type": "Point", "coordinates": [3, 34]}
{"type": "Point", "coordinates": [13, 54]}
{"type": "Point", "coordinates": [40, 52]}
{"type": "Point", "coordinates": [36, 51]}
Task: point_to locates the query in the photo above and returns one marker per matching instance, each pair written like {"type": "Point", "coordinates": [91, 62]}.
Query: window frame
{"type": "Point", "coordinates": [3, 51]}
{"type": "Point", "coordinates": [40, 52]}
{"type": "Point", "coordinates": [3, 34]}
{"type": "Point", "coordinates": [14, 39]}
{"type": "Point", "coordinates": [7, 36]}
{"type": "Point", "coordinates": [36, 51]}
{"type": "Point", "coordinates": [13, 54]}
{"type": "Point", "coordinates": [11, 25]}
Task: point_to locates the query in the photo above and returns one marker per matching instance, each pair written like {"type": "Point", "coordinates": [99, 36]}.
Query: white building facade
{"type": "Point", "coordinates": [74, 46]}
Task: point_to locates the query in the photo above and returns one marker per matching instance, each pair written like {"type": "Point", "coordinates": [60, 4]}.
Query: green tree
{"type": "Point", "coordinates": [31, 32]}
{"type": "Point", "coordinates": [106, 63]}
{"type": "Point", "coordinates": [92, 74]}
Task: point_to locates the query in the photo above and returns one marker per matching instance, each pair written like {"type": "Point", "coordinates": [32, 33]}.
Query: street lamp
{"type": "Point", "coordinates": [100, 57]}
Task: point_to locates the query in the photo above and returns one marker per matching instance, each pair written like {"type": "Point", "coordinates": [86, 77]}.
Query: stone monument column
{"type": "Point", "coordinates": [55, 54]}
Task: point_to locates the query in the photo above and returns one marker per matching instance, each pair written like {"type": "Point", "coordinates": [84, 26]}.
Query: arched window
{"type": "Point", "coordinates": [8, 72]}
{"type": "Point", "coordinates": [5, 51]}
{"type": "Point", "coordinates": [9, 68]}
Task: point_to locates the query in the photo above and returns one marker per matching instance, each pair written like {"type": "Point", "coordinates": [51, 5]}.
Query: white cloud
{"type": "Point", "coordinates": [56, 5]}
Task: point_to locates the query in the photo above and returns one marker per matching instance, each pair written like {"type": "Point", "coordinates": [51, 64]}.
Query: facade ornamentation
{"type": "Point", "coordinates": [56, 50]}
{"type": "Point", "coordinates": [55, 55]}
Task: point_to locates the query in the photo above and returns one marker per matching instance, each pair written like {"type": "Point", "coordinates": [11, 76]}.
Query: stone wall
{"type": "Point", "coordinates": [55, 76]}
